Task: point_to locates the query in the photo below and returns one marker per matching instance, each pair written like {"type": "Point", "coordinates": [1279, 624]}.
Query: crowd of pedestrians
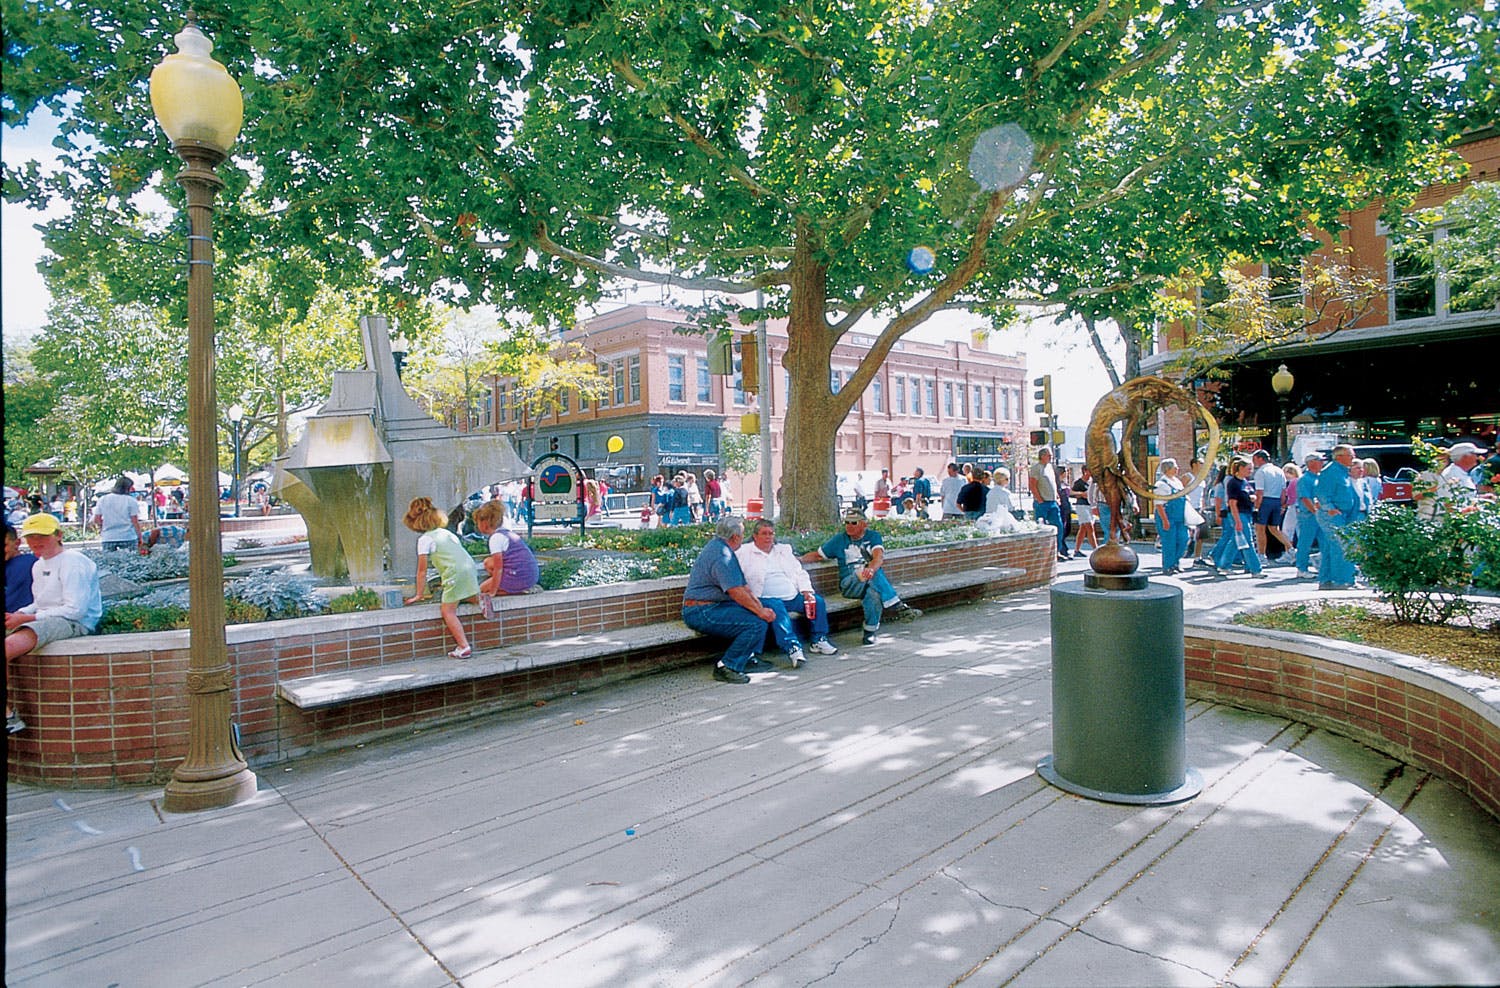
{"type": "Point", "coordinates": [1290, 512]}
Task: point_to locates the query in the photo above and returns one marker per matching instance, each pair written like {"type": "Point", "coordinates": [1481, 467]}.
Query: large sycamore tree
{"type": "Point", "coordinates": [528, 155]}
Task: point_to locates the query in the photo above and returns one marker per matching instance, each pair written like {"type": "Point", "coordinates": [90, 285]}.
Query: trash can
{"type": "Point", "coordinates": [754, 507]}
{"type": "Point", "coordinates": [1119, 721]}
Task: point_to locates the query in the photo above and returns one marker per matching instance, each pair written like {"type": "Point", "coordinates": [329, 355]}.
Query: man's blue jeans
{"type": "Point", "coordinates": [1307, 537]}
{"type": "Point", "coordinates": [879, 594]}
{"type": "Point", "coordinates": [1049, 513]}
{"type": "Point", "coordinates": [746, 632]}
{"type": "Point", "coordinates": [1333, 565]}
{"type": "Point", "coordinates": [784, 626]}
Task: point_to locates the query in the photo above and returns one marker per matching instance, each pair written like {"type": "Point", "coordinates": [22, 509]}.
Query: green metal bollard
{"type": "Point", "coordinates": [1119, 723]}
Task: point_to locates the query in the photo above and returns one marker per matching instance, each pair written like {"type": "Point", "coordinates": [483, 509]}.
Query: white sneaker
{"type": "Point", "coordinates": [794, 654]}
{"type": "Point", "coordinates": [823, 647]}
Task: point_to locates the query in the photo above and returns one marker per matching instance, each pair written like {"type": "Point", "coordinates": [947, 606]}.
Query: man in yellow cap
{"type": "Point", "coordinates": [65, 598]}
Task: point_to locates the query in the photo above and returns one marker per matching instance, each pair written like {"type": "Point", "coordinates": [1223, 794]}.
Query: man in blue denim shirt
{"type": "Point", "coordinates": [718, 602]}
{"type": "Point", "coordinates": [1337, 503]}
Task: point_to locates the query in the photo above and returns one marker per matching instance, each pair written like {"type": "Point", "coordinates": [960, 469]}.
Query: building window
{"type": "Point", "coordinates": [633, 371]}
{"type": "Point", "coordinates": [900, 395]}
{"type": "Point", "coordinates": [834, 379]}
{"type": "Point", "coordinates": [948, 398]}
{"type": "Point", "coordinates": [931, 384]}
{"type": "Point", "coordinates": [1420, 291]}
{"type": "Point", "coordinates": [704, 394]}
{"type": "Point", "coordinates": [989, 402]}
{"type": "Point", "coordinates": [978, 402]}
{"type": "Point", "coordinates": [619, 371]}
{"type": "Point", "coordinates": [676, 385]}
{"type": "Point", "coordinates": [502, 400]}
{"type": "Point", "coordinates": [564, 401]}
{"type": "Point", "coordinates": [963, 399]}
{"type": "Point", "coordinates": [603, 401]}
{"type": "Point", "coordinates": [739, 382]}
{"type": "Point", "coordinates": [877, 397]}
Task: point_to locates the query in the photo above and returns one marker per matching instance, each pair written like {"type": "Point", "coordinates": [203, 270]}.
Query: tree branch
{"type": "Point", "coordinates": [694, 135]}
{"type": "Point", "coordinates": [543, 242]}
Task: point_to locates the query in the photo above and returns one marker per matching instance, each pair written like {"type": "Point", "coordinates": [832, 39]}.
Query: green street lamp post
{"type": "Point", "coordinates": [198, 105]}
{"type": "Point", "coordinates": [1282, 383]}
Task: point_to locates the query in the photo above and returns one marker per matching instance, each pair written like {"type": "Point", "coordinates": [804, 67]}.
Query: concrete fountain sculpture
{"type": "Point", "coordinates": [366, 453]}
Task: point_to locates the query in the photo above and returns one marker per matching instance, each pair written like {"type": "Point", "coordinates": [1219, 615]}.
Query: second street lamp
{"type": "Point", "coordinates": [199, 107]}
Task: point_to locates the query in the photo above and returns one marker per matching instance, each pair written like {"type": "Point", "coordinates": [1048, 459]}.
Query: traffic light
{"type": "Point", "coordinates": [1059, 437]}
{"type": "Point", "coordinates": [1044, 394]}
{"type": "Point", "coordinates": [749, 363]}
{"type": "Point", "coordinates": [1038, 437]}
{"type": "Point", "coordinates": [552, 444]}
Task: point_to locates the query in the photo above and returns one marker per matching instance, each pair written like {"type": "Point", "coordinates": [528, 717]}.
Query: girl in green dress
{"type": "Point", "coordinates": [453, 563]}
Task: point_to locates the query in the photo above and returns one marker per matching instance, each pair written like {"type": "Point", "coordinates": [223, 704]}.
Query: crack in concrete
{"type": "Point", "coordinates": [999, 905]}
{"type": "Point", "coordinates": [1148, 954]}
{"type": "Point", "coordinates": [869, 941]}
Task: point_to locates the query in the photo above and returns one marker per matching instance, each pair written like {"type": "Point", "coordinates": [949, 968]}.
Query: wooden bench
{"type": "Point", "coordinates": [330, 689]}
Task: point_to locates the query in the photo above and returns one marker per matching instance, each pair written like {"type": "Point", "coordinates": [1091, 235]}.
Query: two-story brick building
{"type": "Point", "coordinates": [1416, 364]}
{"type": "Point", "coordinates": [930, 403]}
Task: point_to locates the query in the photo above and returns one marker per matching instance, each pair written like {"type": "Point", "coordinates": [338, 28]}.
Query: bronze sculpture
{"type": "Point", "coordinates": [1114, 470]}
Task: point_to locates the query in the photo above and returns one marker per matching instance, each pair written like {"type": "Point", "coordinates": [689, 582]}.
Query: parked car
{"type": "Point", "coordinates": [1398, 469]}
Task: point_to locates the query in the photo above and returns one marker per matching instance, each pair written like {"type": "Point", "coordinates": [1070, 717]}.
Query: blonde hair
{"type": "Point", "coordinates": [490, 513]}
{"type": "Point", "coordinates": [424, 516]}
{"type": "Point", "coordinates": [1372, 467]}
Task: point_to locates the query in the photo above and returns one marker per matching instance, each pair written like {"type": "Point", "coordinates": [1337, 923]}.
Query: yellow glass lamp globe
{"type": "Point", "coordinates": [194, 97]}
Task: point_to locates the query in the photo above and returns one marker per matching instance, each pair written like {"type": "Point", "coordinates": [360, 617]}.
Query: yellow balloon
{"type": "Point", "coordinates": [615, 444]}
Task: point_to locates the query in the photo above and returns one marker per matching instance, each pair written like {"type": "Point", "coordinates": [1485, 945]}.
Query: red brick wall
{"type": "Point", "coordinates": [112, 710]}
{"type": "Point", "coordinates": [1418, 715]}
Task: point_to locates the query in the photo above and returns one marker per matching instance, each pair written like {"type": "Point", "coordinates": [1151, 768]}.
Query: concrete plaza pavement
{"type": "Point", "coordinates": [872, 819]}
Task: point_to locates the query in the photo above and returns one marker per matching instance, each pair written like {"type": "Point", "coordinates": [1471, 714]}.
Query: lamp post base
{"type": "Point", "coordinates": [208, 794]}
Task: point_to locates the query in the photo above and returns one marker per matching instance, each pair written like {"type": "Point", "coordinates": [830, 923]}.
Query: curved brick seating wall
{"type": "Point", "coordinates": [1440, 718]}
{"type": "Point", "coordinates": [112, 710]}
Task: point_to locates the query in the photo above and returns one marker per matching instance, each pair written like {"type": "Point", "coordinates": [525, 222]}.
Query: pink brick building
{"type": "Point", "coordinates": [930, 404]}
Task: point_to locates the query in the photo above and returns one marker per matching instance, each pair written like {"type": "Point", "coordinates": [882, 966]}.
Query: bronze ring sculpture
{"type": "Point", "coordinates": [1113, 469]}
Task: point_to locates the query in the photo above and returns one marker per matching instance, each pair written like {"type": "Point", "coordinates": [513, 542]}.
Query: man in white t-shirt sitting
{"type": "Point", "coordinates": [65, 598]}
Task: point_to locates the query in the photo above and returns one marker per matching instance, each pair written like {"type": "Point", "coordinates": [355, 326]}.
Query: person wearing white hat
{"type": "Point", "coordinates": [1455, 483]}
{"type": "Point", "coordinates": [65, 599]}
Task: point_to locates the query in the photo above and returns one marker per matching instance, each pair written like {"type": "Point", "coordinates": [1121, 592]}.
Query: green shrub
{"type": "Point", "coordinates": [127, 617]}
{"type": "Point", "coordinates": [360, 599]}
{"type": "Point", "coordinates": [237, 611]}
{"type": "Point", "coordinates": [555, 573]}
{"type": "Point", "coordinates": [1421, 568]}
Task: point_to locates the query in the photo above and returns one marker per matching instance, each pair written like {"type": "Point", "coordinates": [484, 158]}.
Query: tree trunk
{"type": "Point", "coordinates": [813, 413]}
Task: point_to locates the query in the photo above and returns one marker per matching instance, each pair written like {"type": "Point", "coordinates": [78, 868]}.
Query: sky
{"type": "Point", "coordinates": [1078, 378]}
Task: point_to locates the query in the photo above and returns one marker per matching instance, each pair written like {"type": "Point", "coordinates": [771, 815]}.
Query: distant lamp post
{"type": "Point", "coordinates": [399, 349]}
{"type": "Point", "coordinates": [236, 423]}
{"type": "Point", "coordinates": [1281, 383]}
{"type": "Point", "coordinates": [198, 105]}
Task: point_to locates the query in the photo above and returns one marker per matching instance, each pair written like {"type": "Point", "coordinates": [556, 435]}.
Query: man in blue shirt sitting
{"type": "Point", "coordinates": [718, 602]}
